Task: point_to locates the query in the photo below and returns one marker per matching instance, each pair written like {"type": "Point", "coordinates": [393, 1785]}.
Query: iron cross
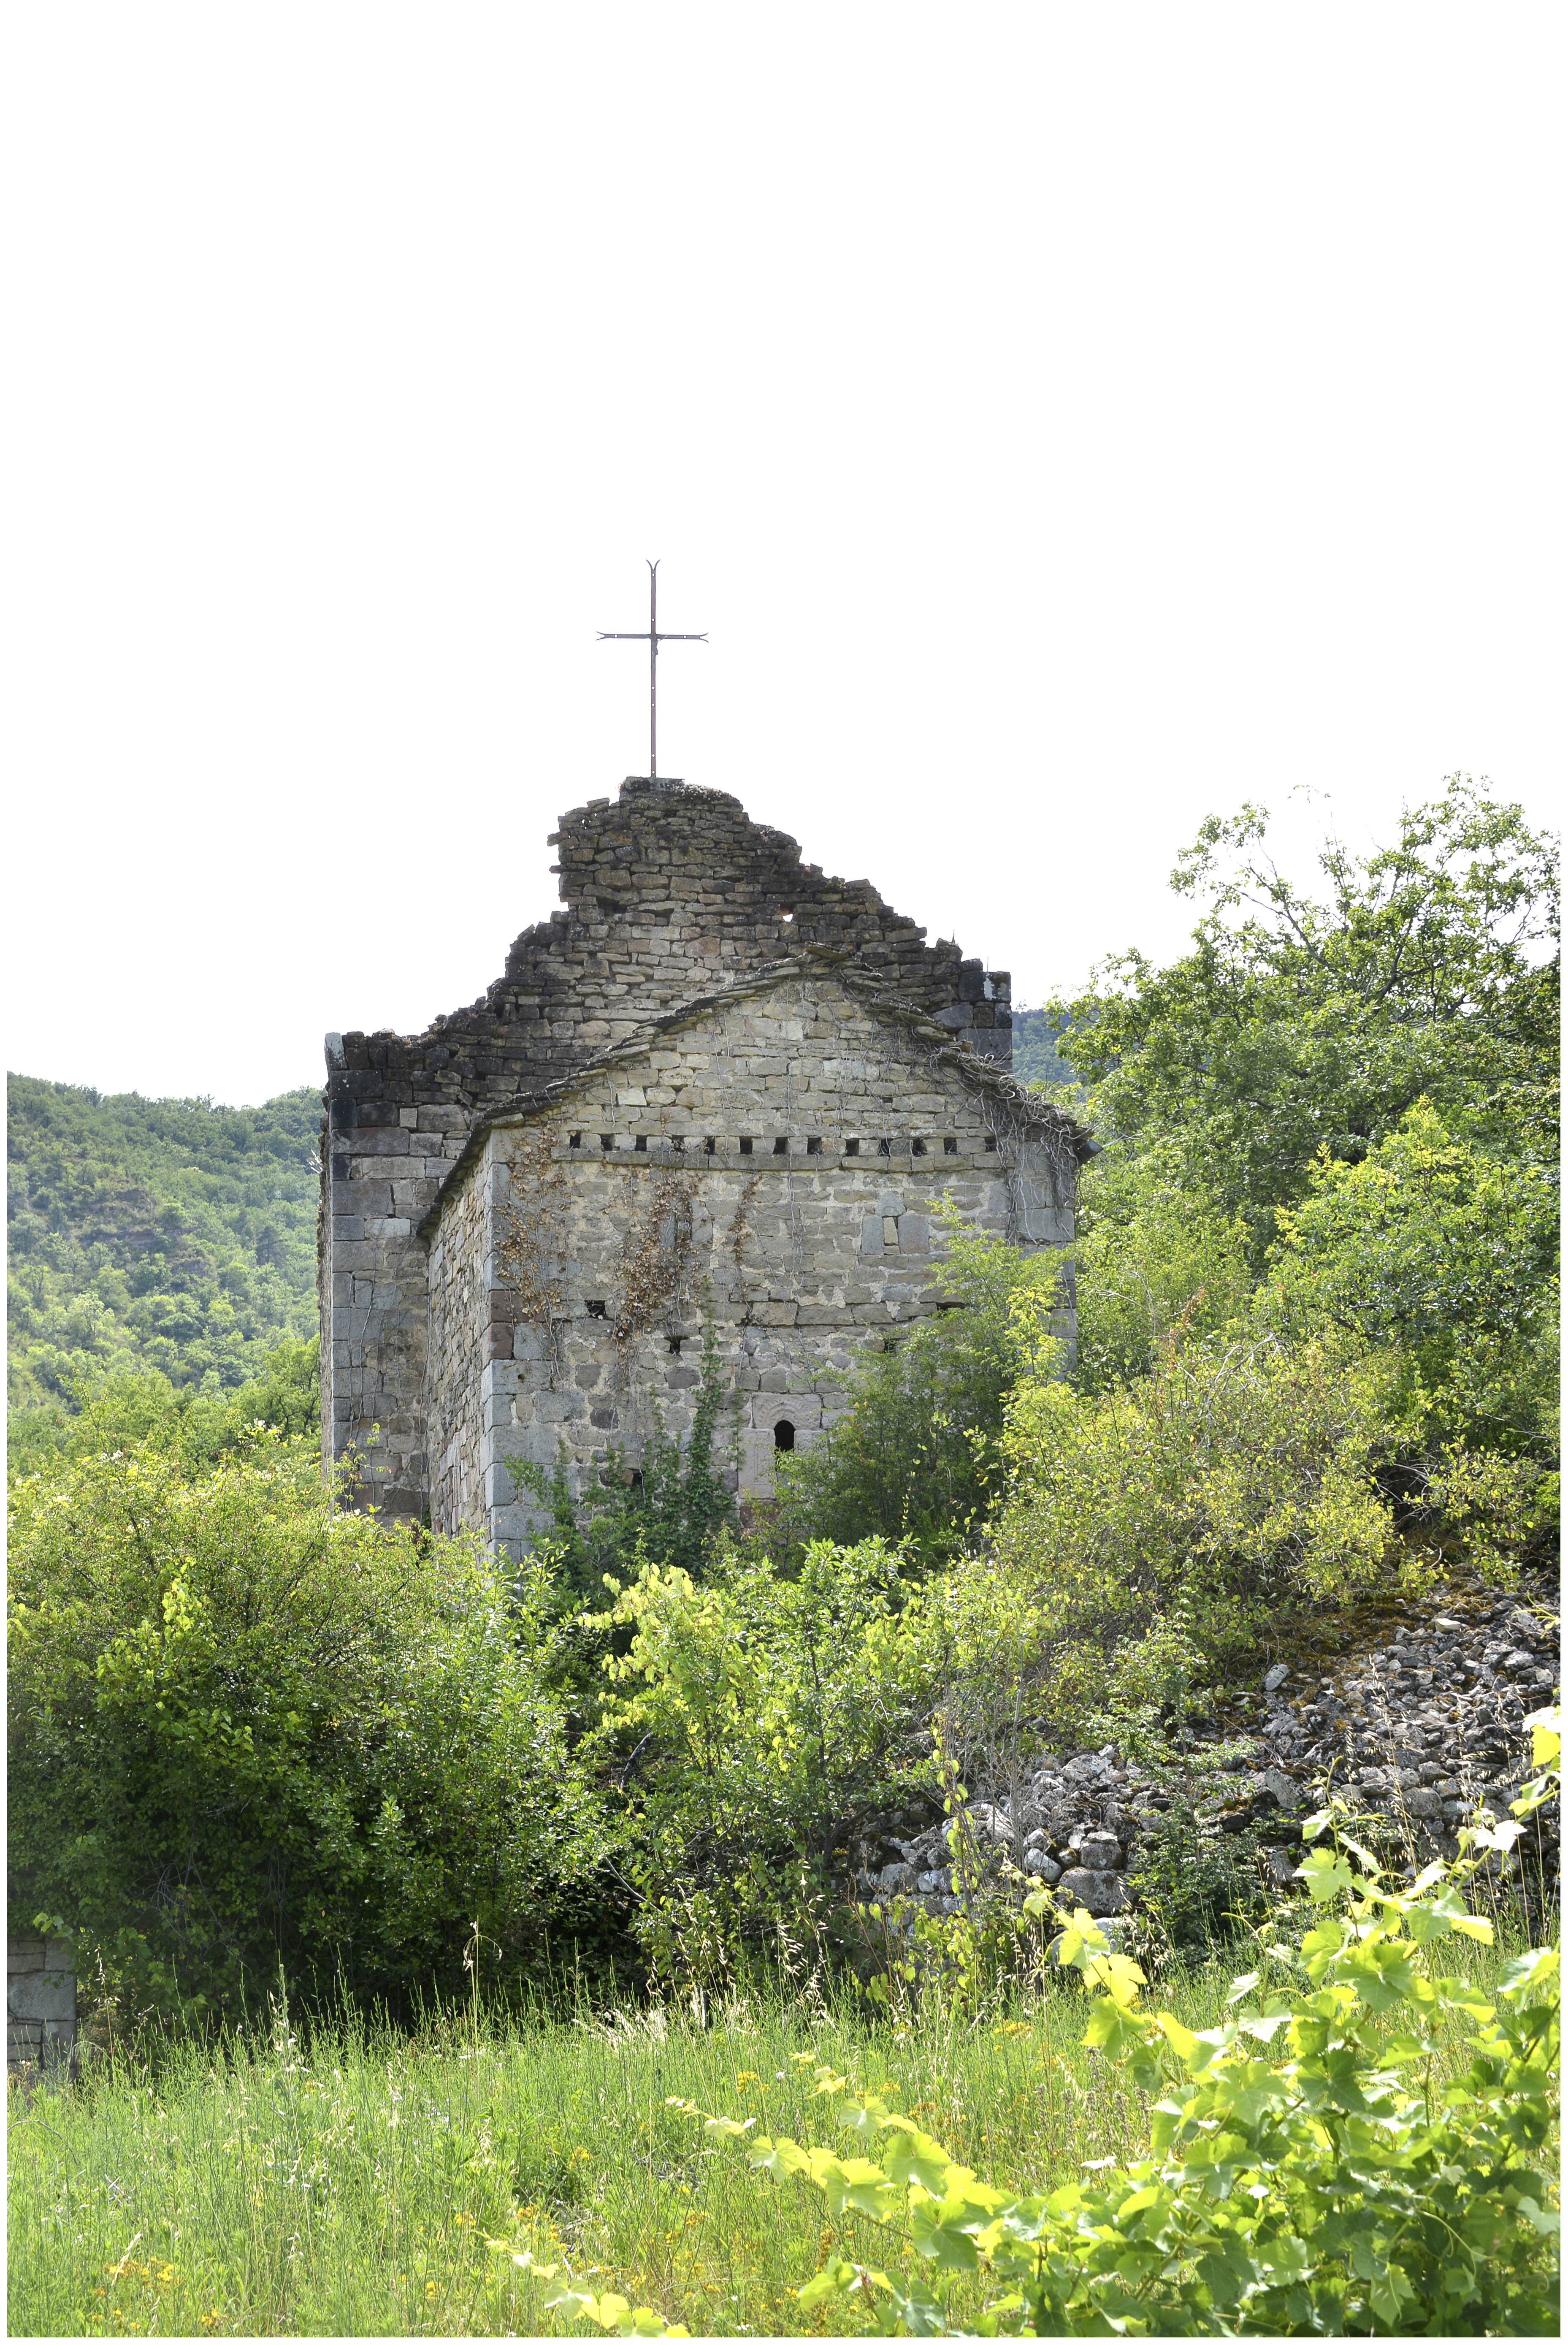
{"type": "Point", "coordinates": [653, 639]}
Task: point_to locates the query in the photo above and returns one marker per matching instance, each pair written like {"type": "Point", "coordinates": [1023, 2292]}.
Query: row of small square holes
{"type": "Point", "coordinates": [780, 1147]}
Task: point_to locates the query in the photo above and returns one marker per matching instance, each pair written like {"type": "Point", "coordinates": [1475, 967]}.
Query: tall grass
{"type": "Point", "coordinates": [356, 2182]}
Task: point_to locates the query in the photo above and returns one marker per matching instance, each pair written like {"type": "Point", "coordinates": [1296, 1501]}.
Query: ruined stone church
{"type": "Point", "coordinates": [718, 1090]}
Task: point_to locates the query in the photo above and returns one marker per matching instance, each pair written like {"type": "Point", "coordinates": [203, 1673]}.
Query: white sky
{"type": "Point", "coordinates": [1065, 422]}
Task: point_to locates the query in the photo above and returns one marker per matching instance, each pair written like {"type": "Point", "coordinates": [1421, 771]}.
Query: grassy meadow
{"type": "Point", "coordinates": [339, 2182]}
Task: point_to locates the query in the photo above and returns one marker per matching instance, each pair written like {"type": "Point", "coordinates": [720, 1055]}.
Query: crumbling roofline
{"type": "Point", "coordinates": [1027, 1110]}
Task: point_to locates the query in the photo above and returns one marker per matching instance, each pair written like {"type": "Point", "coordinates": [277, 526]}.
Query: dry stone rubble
{"type": "Point", "coordinates": [1420, 1725]}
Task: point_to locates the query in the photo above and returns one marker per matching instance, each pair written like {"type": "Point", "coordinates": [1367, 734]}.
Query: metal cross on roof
{"type": "Point", "coordinates": [653, 638]}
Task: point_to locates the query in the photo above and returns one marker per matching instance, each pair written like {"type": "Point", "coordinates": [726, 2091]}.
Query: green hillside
{"type": "Point", "coordinates": [1035, 1059]}
{"type": "Point", "coordinates": [154, 1234]}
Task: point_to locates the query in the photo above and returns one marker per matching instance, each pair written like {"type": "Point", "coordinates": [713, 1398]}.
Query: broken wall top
{"type": "Point", "coordinates": [669, 890]}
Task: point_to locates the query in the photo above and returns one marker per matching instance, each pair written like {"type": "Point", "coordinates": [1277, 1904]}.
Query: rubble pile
{"type": "Point", "coordinates": [1419, 1722]}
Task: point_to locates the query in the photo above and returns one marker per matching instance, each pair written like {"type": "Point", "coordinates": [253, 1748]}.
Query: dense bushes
{"type": "Point", "coordinates": [249, 1729]}
{"type": "Point", "coordinates": [766, 1712]}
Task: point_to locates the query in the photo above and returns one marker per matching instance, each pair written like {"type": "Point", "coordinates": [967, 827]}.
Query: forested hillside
{"type": "Point", "coordinates": [1035, 1056]}
{"type": "Point", "coordinates": [153, 1233]}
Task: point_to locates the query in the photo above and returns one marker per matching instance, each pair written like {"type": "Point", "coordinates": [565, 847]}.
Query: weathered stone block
{"type": "Point", "coordinates": [1097, 1893]}
{"type": "Point", "coordinates": [43, 1994]}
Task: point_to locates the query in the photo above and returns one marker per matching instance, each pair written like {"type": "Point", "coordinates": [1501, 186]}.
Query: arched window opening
{"type": "Point", "coordinates": [784, 1434]}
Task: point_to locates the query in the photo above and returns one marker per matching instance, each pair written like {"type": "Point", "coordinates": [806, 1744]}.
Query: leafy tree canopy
{"type": "Point", "coordinates": [1298, 1024]}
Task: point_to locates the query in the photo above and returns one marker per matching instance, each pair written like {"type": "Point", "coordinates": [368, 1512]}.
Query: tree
{"type": "Point", "coordinates": [1296, 1026]}
{"type": "Point", "coordinates": [1444, 1254]}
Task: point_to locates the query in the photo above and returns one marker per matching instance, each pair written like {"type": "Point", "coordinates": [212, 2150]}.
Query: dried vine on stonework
{"type": "Point", "coordinates": [531, 1244]}
{"type": "Point", "coordinates": [739, 1230]}
{"type": "Point", "coordinates": [652, 1264]}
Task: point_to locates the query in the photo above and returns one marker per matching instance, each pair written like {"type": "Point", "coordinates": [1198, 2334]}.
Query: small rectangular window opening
{"type": "Point", "coordinates": [641, 1143]}
{"type": "Point", "coordinates": [919, 1147]}
{"type": "Point", "coordinates": [576, 1139]}
{"type": "Point", "coordinates": [598, 1310]}
{"type": "Point", "coordinates": [885, 1148]}
{"type": "Point", "coordinates": [781, 1148]}
{"type": "Point", "coordinates": [745, 1147]}
{"type": "Point", "coordinates": [710, 1145]}
{"type": "Point", "coordinates": [851, 1147]}
{"type": "Point", "coordinates": [949, 1148]}
{"type": "Point", "coordinates": [677, 1140]}
{"type": "Point", "coordinates": [814, 1146]}
{"type": "Point", "coordinates": [607, 1139]}
{"type": "Point", "coordinates": [991, 1145]}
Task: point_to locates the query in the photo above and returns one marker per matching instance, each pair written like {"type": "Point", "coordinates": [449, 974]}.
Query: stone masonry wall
{"type": "Point", "coordinates": [776, 1158]}
{"type": "Point", "coordinates": [41, 2004]}
{"type": "Point", "coordinates": [668, 891]}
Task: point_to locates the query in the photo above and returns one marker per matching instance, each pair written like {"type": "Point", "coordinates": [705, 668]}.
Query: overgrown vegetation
{"type": "Point", "coordinates": [447, 2180]}
{"type": "Point", "coordinates": [254, 1733]}
{"type": "Point", "coordinates": [257, 1738]}
{"type": "Point", "coordinates": [1296, 2182]}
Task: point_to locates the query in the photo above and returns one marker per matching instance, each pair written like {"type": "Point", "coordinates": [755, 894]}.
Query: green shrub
{"type": "Point", "coordinates": [1234, 1479]}
{"type": "Point", "coordinates": [763, 1711]}
{"type": "Point", "coordinates": [250, 1729]}
{"type": "Point", "coordinates": [122, 1406]}
{"type": "Point", "coordinates": [1156, 1260]}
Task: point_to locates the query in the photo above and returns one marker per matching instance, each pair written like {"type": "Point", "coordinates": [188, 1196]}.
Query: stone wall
{"type": "Point", "coordinates": [776, 1158]}
{"type": "Point", "coordinates": [668, 892]}
{"type": "Point", "coordinates": [41, 2005]}
{"type": "Point", "coordinates": [460, 1284]}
